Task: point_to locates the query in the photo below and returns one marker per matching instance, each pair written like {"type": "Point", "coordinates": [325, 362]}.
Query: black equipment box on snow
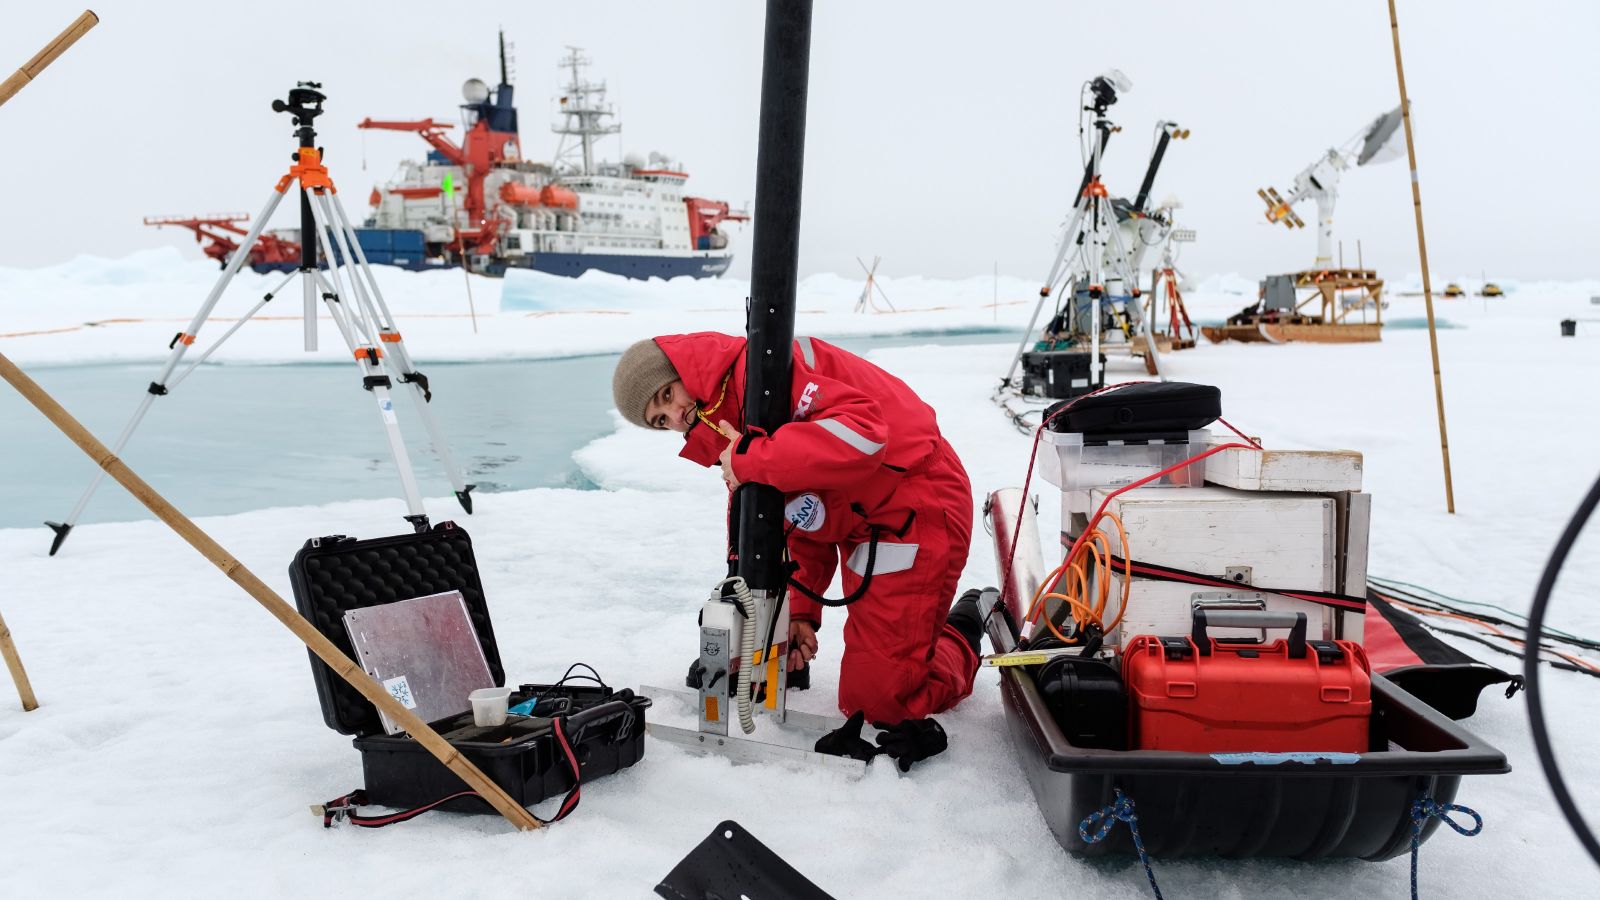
{"type": "Point", "coordinates": [332, 575]}
{"type": "Point", "coordinates": [1059, 374]}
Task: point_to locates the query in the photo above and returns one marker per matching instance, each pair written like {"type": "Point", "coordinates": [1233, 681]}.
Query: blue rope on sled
{"type": "Point", "coordinates": [1423, 809]}
{"type": "Point", "coordinates": [1121, 810]}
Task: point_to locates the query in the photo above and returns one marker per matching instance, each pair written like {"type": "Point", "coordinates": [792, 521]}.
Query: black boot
{"type": "Point", "coordinates": [966, 617]}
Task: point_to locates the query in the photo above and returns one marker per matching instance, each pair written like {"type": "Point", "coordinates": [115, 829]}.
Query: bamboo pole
{"type": "Point", "coordinates": [1422, 250]}
{"type": "Point", "coordinates": [274, 604]}
{"type": "Point", "coordinates": [18, 674]}
{"type": "Point", "coordinates": [20, 78]}
{"type": "Point", "coordinates": [8, 89]}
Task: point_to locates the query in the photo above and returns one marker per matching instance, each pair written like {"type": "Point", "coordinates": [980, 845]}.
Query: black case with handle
{"type": "Point", "coordinates": [335, 574]}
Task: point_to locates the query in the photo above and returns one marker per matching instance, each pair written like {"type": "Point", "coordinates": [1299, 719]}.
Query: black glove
{"type": "Point", "coordinates": [846, 741]}
{"type": "Point", "coordinates": [911, 741]}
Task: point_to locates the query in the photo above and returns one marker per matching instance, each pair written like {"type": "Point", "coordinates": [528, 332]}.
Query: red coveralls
{"type": "Point", "coordinates": [862, 450]}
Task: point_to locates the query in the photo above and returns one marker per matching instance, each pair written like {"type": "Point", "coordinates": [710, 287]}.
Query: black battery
{"type": "Point", "coordinates": [1060, 374]}
{"type": "Point", "coordinates": [1085, 696]}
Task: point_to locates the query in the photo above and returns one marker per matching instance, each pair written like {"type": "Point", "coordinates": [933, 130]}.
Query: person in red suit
{"type": "Point", "coordinates": [862, 464]}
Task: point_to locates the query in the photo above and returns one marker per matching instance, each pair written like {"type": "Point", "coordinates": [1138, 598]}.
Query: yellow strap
{"type": "Point", "coordinates": [704, 415]}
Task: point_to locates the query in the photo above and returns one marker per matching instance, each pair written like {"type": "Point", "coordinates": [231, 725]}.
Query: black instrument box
{"type": "Point", "coordinates": [1085, 696]}
{"type": "Point", "coordinates": [1141, 407]}
{"type": "Point", "coordinates": [1059, 374]}
{"type": "Point", "coordinates": [332, 575]}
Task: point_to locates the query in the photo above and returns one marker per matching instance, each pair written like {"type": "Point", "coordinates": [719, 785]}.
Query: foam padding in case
{"type": "Point", "coordinates": [333, 575]}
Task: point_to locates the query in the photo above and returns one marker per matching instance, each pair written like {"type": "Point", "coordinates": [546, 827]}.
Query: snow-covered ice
{"type": "Point", "coordinates": [179, 741]}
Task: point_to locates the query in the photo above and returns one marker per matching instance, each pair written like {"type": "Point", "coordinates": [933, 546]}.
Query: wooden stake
{"type": "Point", "coordinates": [18, 675]}
{"type": "Point", "coordinates": [45, 57]}
{"type": "Point", "coordinates": [1422, 249]}
{"type": "Point", "coordinates": [274, 604]}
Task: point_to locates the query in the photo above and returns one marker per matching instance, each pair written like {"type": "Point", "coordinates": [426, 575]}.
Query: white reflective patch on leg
{"type": "Point", "coordinates": [891, 558]}
{"type": "Point", "coordinates": [850, 436]}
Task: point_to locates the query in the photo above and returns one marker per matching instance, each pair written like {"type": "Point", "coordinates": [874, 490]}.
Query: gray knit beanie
{"type": "Point", "coordinates": [642, 370]}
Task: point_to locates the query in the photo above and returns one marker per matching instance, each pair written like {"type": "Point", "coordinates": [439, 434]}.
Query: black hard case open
{"type": "Point", "coordinates": [332, 575]}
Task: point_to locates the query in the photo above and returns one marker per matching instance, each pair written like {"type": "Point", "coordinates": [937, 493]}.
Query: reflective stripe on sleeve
{"type": "Point", "coordinates": [850, 436]}
{"type": "Point", "coordinates": [807, 352]}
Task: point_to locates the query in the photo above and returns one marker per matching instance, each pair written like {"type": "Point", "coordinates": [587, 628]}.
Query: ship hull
{"type": "Point", "coordinates": [569, 265]}
{"type": "Point", "coordinates": [574, 264]}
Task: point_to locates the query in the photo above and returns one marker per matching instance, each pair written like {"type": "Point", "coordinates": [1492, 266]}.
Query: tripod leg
{"type": "Point", "coordinates": [232, 330]}
{"type": "Point", "coordinates": [339, 272]}
{"type": "Point", "coordinates": [180, 344]}
{"type": "Point", "coordinates": [401, 358]}
{"type": "Point", "coordinates": [369, 357]}
{"type": "Point", "coordinates": [1069, 236]}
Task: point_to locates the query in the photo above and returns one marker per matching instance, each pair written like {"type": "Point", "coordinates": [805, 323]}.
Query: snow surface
{"type": "Point", "coordinates": [180, 742]}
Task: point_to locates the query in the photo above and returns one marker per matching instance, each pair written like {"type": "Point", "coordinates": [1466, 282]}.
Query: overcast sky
{"type": "Point", "coordinates": [942, 135]}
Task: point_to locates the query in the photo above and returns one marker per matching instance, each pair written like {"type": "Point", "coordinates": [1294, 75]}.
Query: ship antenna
{"type": "Point", "coordinates": [583, 107]}
{"type": "Point", "coordinates": [505, 75]}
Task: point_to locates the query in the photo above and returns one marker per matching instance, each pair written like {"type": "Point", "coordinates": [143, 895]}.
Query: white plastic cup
{"type": "Point", "coordinates": [489, 706]}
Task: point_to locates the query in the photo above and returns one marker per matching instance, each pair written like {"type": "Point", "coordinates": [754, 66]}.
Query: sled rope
{"type": "Point", "coordinates": [1423, 809]}
{"type": "Point", "coordinates": [1121, 810]}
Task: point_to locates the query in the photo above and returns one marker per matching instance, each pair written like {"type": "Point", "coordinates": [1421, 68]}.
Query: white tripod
{"type": "Point", "coordinates": [350, 293]}
{"type": "Point", "coordinates": [1082, 250]}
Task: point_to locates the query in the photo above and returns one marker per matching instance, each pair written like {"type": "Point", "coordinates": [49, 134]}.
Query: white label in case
{"type": "Point", "coordinates": [400, 689]}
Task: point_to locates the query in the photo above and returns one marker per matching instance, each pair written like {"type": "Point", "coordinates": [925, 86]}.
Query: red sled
{"type": "Point", "coordinates": [1199, 695]}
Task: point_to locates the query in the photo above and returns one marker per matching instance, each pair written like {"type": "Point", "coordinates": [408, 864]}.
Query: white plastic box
{"type": "Point", "coordinates": [1078, 468]}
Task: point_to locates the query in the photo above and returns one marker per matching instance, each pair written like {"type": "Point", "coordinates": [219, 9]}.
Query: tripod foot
{"type": "Point", "coordinates": [465, 498]}
{"type": "Point", "coordinates": [61, 535]}
{"type": "Point", "coordinates": [420, 523]}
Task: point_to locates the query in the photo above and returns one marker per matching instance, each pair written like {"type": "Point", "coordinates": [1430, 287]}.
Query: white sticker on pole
{"type": "Point", "coordinates": [386, 408]}
{"type": "Point", "coordinates": [400, 689]}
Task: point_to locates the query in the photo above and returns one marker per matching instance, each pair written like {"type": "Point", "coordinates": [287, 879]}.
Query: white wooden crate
{"type": "Point", "coordinates": [1282, 540]}
{"type": "Point", "coordinates": [1163, 608]}
{"type": "Point", "coordinates": [1315, 471]}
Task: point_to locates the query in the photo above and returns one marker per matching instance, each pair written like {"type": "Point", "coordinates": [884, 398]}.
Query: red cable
{"type": "Point", "coordinates": [1038, 435]}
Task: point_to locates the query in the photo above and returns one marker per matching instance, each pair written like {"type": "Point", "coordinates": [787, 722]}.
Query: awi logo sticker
{"type": "Point", "coordinates": [807, 396]}
{"type": "Point", "coordinates": [806, 512]}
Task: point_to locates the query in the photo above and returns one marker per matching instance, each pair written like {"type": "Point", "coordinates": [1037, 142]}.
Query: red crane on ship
{"type": "Point", "coordinates": [217, 234]}
{"type": "Point", "coordinates": [480, 152]}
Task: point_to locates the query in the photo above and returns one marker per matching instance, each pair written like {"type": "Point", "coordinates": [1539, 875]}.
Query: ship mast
{"type": "Point", "coordinates": [583, 105]}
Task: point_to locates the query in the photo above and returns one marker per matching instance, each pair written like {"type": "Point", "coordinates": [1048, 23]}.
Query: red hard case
{"type": "Point", "coordinates": [1198, 695]}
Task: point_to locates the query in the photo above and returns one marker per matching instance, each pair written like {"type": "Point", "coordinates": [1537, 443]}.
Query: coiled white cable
{"type": "Point", "coordinates": [747, 604]}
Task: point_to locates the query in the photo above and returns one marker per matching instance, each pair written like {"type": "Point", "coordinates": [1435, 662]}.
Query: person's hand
{"type": "Point", "coordinates": [732, 434]}
{"type": "Point", "coordinates": [846, 740]}
{"type": "Point", "coordinates": [911, 741]}
{"type": "Point", "coordinates": [802, 644]}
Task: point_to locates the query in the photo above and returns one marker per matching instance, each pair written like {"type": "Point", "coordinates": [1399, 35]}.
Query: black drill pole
{"type": "Point", "coordinates": [774, 266]}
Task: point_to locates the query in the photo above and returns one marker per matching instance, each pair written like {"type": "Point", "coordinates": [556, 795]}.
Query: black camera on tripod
{"type": "Point", "coordinates": [305, 102]}
{"type": "Point", "coordinates": [1105, 88]}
